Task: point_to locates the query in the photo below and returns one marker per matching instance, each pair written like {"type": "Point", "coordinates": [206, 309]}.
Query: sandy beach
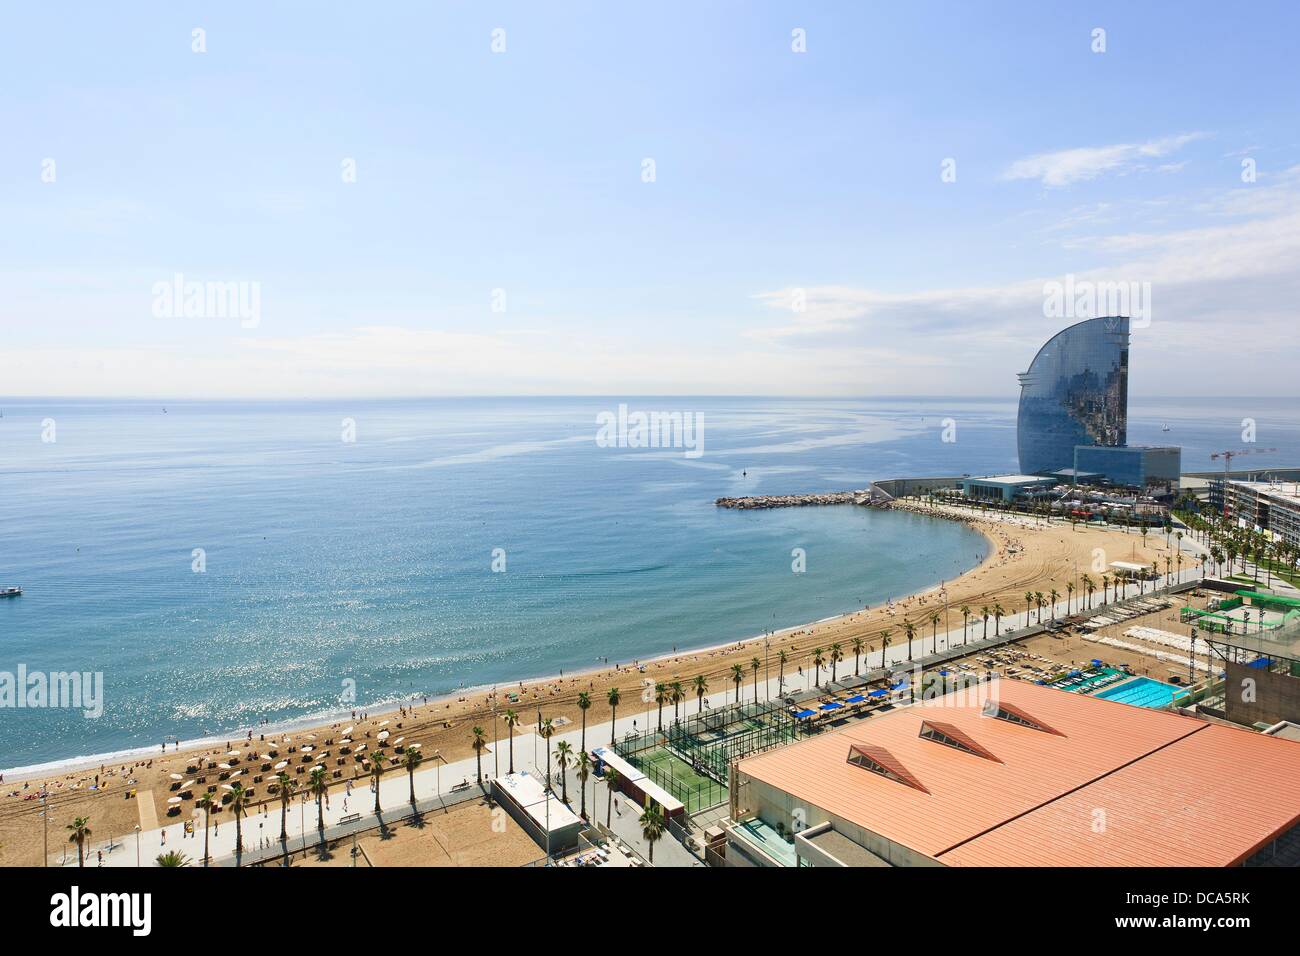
{"type": "Point", "coordinates": [1024, 555]}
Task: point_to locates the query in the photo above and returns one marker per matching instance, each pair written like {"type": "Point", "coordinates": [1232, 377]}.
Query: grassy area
{"type": "Point", "coordinates": [695, 790]}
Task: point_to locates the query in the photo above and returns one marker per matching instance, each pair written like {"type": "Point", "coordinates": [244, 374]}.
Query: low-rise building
{"type": "Point", "coordinates": [1014, 774]}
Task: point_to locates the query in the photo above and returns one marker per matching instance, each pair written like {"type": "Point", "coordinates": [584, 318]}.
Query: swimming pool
{"type": "Point", "coordinates": [1142, 692]}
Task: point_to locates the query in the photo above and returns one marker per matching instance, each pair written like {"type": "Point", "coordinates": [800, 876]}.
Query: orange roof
{"type": "Point", "coordinates": [1210, 799]}
{"type": "Point", "coordinates": [1035, 802]}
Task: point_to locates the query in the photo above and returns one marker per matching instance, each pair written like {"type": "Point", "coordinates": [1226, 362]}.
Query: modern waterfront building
{"type": "Point", "coordinates": [1020, 775]}
{"type": "Point", "coordinates": [1271, 506]}
{"type": "Point", "coordinates": [1132, 466]}
{"type": "Point", "coordinates": [1075, 393]}
{"type": "Point", "coordinates": [1073, 416]}
{"type": "Point", "coordinates": [1002, 487]}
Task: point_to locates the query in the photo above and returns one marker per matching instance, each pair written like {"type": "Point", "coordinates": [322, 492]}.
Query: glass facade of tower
{"type": "Point", "coordinates": [1075, 393]}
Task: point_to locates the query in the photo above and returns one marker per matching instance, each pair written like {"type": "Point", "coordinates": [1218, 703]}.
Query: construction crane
{"type": "Point", "coordinates": [1227, 457]}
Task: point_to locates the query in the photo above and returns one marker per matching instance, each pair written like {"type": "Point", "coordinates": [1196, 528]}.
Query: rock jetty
{"type": "Point", "coordinates": [797, 501]}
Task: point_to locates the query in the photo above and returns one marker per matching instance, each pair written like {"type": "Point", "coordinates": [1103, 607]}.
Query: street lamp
{"type": "Point", "coordinates": [137, 846]}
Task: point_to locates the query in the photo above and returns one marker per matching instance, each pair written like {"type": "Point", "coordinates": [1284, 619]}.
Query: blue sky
{"type": "Point", "coordinates": [779, 176]}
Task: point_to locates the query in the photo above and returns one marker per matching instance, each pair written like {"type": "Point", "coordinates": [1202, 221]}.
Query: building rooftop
{"type": "Point", "coordinates": [1057, 779]}
{"type": "Point", "coordinates": [1288, 491]}
{"type": "Point", "coordinates": [1012, 479]}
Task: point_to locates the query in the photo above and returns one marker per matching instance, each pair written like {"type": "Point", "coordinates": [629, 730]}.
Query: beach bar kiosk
{"type": "Point", "coordinates": [634, 784]}
{"type": "Point", "coordinates": [538, 812]}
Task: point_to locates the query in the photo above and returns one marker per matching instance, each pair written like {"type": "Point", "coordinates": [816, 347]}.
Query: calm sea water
{"type": "Point", "coordinates": [371, 561]}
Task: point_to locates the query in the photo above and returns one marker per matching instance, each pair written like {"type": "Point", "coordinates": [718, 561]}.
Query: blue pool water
{"type": "Point", "coordinates": [1142, 692]}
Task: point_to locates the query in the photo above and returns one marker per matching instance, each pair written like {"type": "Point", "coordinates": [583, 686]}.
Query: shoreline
{"type": "Point", "coordinates": [318, 722]}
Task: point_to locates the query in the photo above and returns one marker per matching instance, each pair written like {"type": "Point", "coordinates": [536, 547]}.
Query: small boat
{"type": "Point", "coordinates": [1165, 428]}
{"type": "Point", "coordinates": [10, 592]}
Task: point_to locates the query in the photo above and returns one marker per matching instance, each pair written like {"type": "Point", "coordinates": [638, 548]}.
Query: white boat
{"type": "Point", "coordinates": [10, 592]}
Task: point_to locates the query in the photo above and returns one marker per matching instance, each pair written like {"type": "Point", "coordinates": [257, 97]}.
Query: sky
{"type": "Point", "coordinates": [455, 198]}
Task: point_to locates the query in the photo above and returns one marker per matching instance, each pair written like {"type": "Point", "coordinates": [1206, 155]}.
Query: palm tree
{"type": "Point", "coordinates": [1054, 596]}
{"type": "Point", "coordinates": [998, 611]}
{"type": "Point", "coordinates": [287, 787]}
{"type": "Point", "coordinates": [1069, 598]}
{"type": "Point", "coordinates": [80, 828]}
{"type": "Point", "coordinates": [701, 687]}
{"type": "Point", "coordinates": [754, 665]}
{"type": "Point", "coordinates": [238, 803]}
{"type": "Point", "coordinates": [546, 732]}
{"type": "Point", "coordinates": [934, 632]}
{"type": "Point", "coordinates": [737, 675]}
{"type": "Point", "coordinates": [676, 695]}
{"type": "Point", "coordinates": [910, 630]}
{"type": "Point", "coordinates": [512, 721]}
{"type": "Point", "coordinates": [652, 825]}
{"type": "Point", "coordinates": [172, 858]}
{"type": "Point", "coordinates": [613, 699]}
{"type": "Point", "coordinates": [1029, 600]}
{"type": "Point", "coordinates": [818, 661]}
{"type": "Point", "coordinates": [204, 803]}
{"type": "Point", "coordinates": [480, 741]}
{"type": "Point", "coordinates": [1038, 606]}
{"type": "Point", "coordinates": [318, 786]}
{"type": "Point", "coordinates": [582, 763]}
{"type": "Point", "coordinates": [884, 646]}
{"type": "Point", "coordinates": [965, 619]}
{"type": "Point", "coordinates": [563, 758]}
{"type": "Point", "coordinates": [837, 654]}
{"type": "Point", "coordinates": [1087, 587]}
{"type": "Point", "coordinates": [780, 673]}
{"type": "Point", "coordinates": [377, 771]}
{"type": "Point", "coordinates": [411, 761]}
{"type": "Point", "coordinates": [584, 705]}
{"type": "Point", "coordinates": [661, 695]}
{"type": "Point", "coordinates": [611, 781]}
{"type": "Point", "coordinates": [857, 656]}
{"type": "Point", "coordinates": [984, 613]}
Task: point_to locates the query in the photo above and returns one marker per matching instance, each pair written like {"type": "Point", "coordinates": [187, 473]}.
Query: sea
{"type": "Point", "coordinates": [232, 565]}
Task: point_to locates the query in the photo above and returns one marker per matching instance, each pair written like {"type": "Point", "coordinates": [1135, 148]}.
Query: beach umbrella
{"type": "Point", "coordinates": [413, 747]}
{"type": "Point", "coordinates": [223, 766]}
{"type": "Point", "coordinates": [281, 765]}
{"type": "Point", "coordinates": [346, 740]}
{"type": "Point", "coordinates": [308, 749]}
{"type": "Point", "coordinates": [173, 799]}
{"type": "Point", "coordinates": [187, 784]}
{"type": "Point", "coordinates": [361, 748]}
{"type": "Point", "coordinates": [398, 741]}
{"type": "Point", "coordinates": [236, 774]}
{"type": "Point", "coordinates": [234, 753]}
{"type": "Point", "coordinates": [176, 776]}
{"type": "Point", "coordinates": [383, 735]}
{"type": "Point", "coordinates": [319, 766]}
{"type": "Point", "coordinates": [349, 729]}
{"type": "Point", "coordinates": [383, 723]}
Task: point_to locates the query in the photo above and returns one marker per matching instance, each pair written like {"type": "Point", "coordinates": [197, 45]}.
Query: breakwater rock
{"type": "Point", "coordinates": [798, 501]}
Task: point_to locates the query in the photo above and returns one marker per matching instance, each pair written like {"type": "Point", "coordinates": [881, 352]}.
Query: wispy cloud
{"type": "Point", "coordinates": [1068, 166]}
